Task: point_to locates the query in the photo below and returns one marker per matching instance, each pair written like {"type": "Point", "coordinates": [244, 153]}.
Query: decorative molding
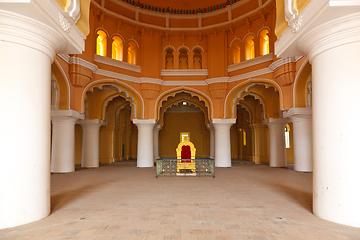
{"type": "Point", "coordinates": [117, 63]}
{"type": "Point", "coordinates": [65, 57]}
{"type": "Point", "coordinates": [67, 113]}
{"type": "Point", "coordinates": [250, 74]}
{"type": "Point", "coordinates": [184, 72]}
{"type": "Point", "coordinates": [298, 114]}
{"type": "Point", "coordinates": [217, 80]}
{"type": "Point", "coordinates": [74, 10]}
{"type": "Point", "coordinates": [184, 83]}
{"type": "Point", "coordinates": [296, 24]}
{"type": "Point", "coordinates": [151, 80]}
{"type": "Point", "coordinates": [117, 75]}
{"type": "Point", "coordinates": [281, 62]}
{"type": "Point", "coordinates": [251, 62]}
{"type": "Point", "coordinates": [84, 63]}
{"type": "Point", "coordinates": [64, 23]}
{"type": "Point", "coordinates": [223, 121]}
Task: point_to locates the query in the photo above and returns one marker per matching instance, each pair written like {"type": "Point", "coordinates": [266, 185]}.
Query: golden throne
{"type": "Point", "coordinates": [185, 151]}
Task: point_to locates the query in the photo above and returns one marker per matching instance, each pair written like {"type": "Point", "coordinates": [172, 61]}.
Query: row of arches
{"type": "Point", "coordinates": [120, 49]}
{"type": "Point", "coordinates": [183, 58]}
{"type": "Point", "coordinates": [245, 49]}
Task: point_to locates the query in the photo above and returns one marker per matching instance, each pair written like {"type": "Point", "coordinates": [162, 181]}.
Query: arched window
{"type": "Point", "coordinates": [117, 48]}
{"type": "Point", "coordinates": [249, 47]}
{"type": "Point", "coordinates": [101, 42]}
{"type": "Point", "coordinates": [169, 59]}
{"type": "Point", "coordinates": [183, 59]}
{"type": "Point", "coordinates": [287, 136]}
{"type": "Point", "coordinates": [264, 42]}
{"type": "Point", "coordinates": [235, 52]}
{"type": "Point", "coordinates": [197, 60]}
{"type": "Point", "coordinates": [132, 51]}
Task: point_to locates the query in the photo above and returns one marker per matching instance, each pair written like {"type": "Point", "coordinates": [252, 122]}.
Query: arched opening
{"type": "Point", "coordinates": [241, 137]}
{"type": "Point", "coordinates": [183, 113]}
{"type": "Point", "coordinates": [101, 43]}
{"type": "Point", "coordinates": [264, 42]}
{"type": "Point", "coordinates": [249, 47]}
{"type": "Point", "coordinates": [235, 52]}
{"type": "Point", "coordinates": [117, 48]}
{"type": "Point", "coordinates": [183, 59]}
{"type": "Point", "coordinates": [197, 59]}
{"type": "Point", "coordinates": [132, 52]}
{"type": "Point", "coordinates": [169, 59]}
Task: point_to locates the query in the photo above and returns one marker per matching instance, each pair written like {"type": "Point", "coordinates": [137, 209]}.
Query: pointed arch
{"type": "Point", "coordinates": [193, 92]}
{"type": "Point", "coordinates": [242, 89]}
{"type": "Point", "coordinates": [133, 96]}
{"type": "Point", "coordinates": [301, 78]}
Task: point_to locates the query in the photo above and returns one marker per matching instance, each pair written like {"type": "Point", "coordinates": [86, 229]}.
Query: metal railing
{"type": "Point", "coordinates": [176, 167]}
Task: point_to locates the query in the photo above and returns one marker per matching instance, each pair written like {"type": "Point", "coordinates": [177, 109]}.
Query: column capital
{"type": "Point", "coordinates": [142, 122]}
{"type": "Point", "coordinates": [298, 114]}
{"type": "Point", "coordinates": [223, 121]}
{"type": "Point", "coordinates": [276, 121]}
{"type": "Point", "coordinates": [158, 127]}
{"type": "Point", "coordinates": [322, 25]}
{"type": "Point", "coordinates": [91, 123]}
{"type": "Point", "coordinates": [66, 116]}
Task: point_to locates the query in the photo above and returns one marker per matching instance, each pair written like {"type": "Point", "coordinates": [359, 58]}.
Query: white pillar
{"type": "Point", "coordinates": [277, 141]}
{"type": "Point", "coordinates": [145, 147]}
{"type": "Point", "coordinates": [222, 141]}
{"type": "Point", "coordinates": [212, 140]}
{"type": "Point", "coordinates": [302, 132]}
{"type": "Point", "coordinates": [28, 47]}
{"type": "Point", "coordinates": [90, 144]}
{"type": "Point", "coordinates": [157, 129]}
{"type": "Point", "coordinates": [329, 34]}
{"type": "Point", "coordinates": [63, 140]}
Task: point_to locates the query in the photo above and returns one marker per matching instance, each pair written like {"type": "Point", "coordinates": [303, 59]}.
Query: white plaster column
{"type": "Point", "coordinates": [222, 141]}
{"type": "Point", "coordinates": [212, 140]}
{"type": "Point", "coordinates": [329, 35]}
{"type": "Point", "coordinates": [157, 129]}
{"type": "Point", "coordinates": [145, 148]}
{"type": "Point", "coordinates": [90, 144]}
{"type": "Point", "coordinates": [63, 140]}
{"type": "Point", "coordinates": [29, 40]}
{"type": "Point", "coordinates": [277, 141]}
{"type": "Point", "coordinates": [302, 132]}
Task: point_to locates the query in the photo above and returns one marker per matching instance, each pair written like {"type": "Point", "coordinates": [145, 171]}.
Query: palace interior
{"type": "Point", "coordinates": [264, 86]}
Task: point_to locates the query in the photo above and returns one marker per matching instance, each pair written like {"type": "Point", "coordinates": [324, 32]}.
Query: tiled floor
{"type": "Point", "coordinates": [124, 202]}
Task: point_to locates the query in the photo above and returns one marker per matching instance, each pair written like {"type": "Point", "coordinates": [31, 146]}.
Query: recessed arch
{"type": "Point", "coordinates": [169, 46]}
{"type": "Point", "coordinates": [301, 78]}
{"type": "Point", "coordinates": [238, 91]}
{"type": "Point", "coordinates": [183, 46]}
{"type": "Point", "coordinates": [137, 101]}
{"type": "Point", "coordinates": [132, 39]}
{"type": "Point", "coordinates": [199, 47]}
{"type": "Point", "coordinates": [264, 27]}
{"type": "Point", "coordinates": [193, 92]}
{"type": "Point", "coordinates": [63, 85]}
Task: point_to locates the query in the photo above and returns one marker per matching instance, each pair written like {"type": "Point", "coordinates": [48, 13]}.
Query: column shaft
{"type": "Point", "coordinates": [63, 140]}
{"type": "Point", "coordinates": [145, 148]}
{"type": "Point", "coordinates": [90, 145]}
{"type": "Point", "coordinates": [156, 141]}
{"type": "Point", "coordinates": [277, 142]}
{"type": "Point", "coordinates": [336, 139]}
{"type": "Point", "coordinates": [222, 141]}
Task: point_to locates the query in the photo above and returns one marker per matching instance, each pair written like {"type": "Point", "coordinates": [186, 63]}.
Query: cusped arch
{"type": "Point", "coordinates": [242, 89]}
{"type": "Point", "coordinates": [193, 92]}
{"type": "Point", "coordinates": [135, 99]}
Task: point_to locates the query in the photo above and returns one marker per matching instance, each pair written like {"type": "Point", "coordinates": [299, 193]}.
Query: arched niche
{"type": "Point", "coordinates": [300, 85]}
{"type": "Point", "coordinates": [249, 44]}
{"type": "Point", "coordinates": [183, 58]}
{"type": "Point", "coordinates": [169, 58]}
{"type": "Point", "coordinates": [101, 43]}
{"type": "Point", "coordinates": [197, 59]}
{"type": "Point", "coordinates": [117, 48]}
{"type": "Point", "coordinates": [264, 42]}
{"type": "Point", "coordinates": [62, 85]}
{"type": "Point", "coordinates": [235, 51]}
{"type": "Point", "coordinates": [132, 52]}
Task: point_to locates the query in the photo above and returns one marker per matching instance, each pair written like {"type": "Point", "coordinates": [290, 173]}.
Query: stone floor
{"type": "Point", "coordinates": [124, 202]}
